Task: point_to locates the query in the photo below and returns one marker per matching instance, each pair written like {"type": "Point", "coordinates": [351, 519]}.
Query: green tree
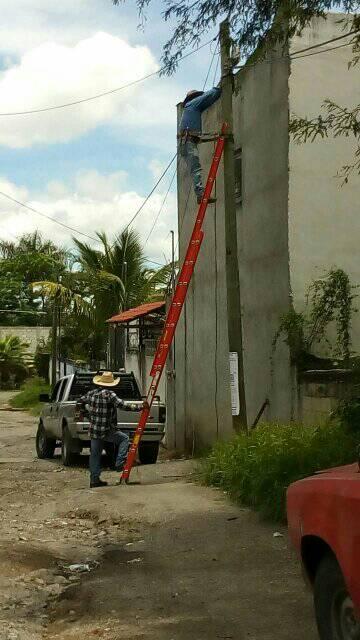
{"type": "Point", "coordinates": [252, 24]}
{"type": "Point", "coordinates": [13, 354]}
{"type": "Point", "coordinates": [30, 258]}
{"type": "Point", "coordinates": [107, 280]}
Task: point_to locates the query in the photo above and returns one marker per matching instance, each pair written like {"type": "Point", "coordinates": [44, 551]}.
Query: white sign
{"type": "Point", "coordinates": [234, 383]}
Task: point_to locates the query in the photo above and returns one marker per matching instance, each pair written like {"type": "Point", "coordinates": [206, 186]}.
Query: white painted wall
{"type": "Point", "coordinates": [324, 217]}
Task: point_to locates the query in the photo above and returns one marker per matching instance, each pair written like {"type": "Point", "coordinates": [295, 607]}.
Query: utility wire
{"type": "Point", "coordinates": [151, 192]}
{"type": "Point", "coordinates": [43, 215]}
{"type": "Point", "coordinates": [103, 93]}
{"type": "Point", "coordinates": [161, 208]}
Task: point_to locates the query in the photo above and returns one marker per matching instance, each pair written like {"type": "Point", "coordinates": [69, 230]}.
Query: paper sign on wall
{"type": "Point", "coordinates": [234, 383]}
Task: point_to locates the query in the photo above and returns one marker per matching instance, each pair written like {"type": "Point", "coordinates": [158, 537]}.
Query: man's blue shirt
{"type": "Point", "coordinates": [191, 118]}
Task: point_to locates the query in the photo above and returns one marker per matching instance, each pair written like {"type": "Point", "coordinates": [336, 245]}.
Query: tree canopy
{"type": "Point", "coordinates": [251, 22]}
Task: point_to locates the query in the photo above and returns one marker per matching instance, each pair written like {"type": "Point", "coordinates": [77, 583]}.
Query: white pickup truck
{"type": "Point", "coordinates": [63, 421]}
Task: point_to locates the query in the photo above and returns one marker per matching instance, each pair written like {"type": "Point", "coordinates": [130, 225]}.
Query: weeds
{"type": "Point", "coordinates": [28, 398]}
{"type": "Point", "coordinates": [257, 469]}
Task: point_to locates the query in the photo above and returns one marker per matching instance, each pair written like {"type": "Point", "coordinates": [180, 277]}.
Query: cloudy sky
{"type": "Point", "coordinates": [91, 165]}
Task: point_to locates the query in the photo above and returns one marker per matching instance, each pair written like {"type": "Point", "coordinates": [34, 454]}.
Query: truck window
{"type": "Point", "coordinates": [127, 389]}
{"type": "Point", "coordinates": [55, 391]}
{"type": "Point", "coordinates": [62, 389]}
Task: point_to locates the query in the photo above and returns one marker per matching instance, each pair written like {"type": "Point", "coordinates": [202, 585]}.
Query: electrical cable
{"type": "Point", "coordinates": [103, 93]}
{"type": "Point", "coordinates": [151, 192]}
{"type": "Point", "coordinates": [162, 206]}
{"type": "Point", "coordinates": [43, 215]}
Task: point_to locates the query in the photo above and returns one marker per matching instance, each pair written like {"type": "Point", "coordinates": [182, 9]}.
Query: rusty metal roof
{"type": "Point", "coordinates": [137, 312]}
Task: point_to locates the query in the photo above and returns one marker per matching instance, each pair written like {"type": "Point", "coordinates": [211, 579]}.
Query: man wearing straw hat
{"type": "Point", "coordinates": [102, 403]}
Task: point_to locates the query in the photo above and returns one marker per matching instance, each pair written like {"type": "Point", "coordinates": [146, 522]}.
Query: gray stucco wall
{"type": "Point", "coordinates": [261, 130]}
{"type": "Point", "coordinates": [324, 220]}
{"type": "Point", "coordinates": [203, 409]}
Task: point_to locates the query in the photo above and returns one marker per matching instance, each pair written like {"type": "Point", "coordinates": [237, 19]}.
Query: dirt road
{"type": "Point", "coordinates": [167, 559]}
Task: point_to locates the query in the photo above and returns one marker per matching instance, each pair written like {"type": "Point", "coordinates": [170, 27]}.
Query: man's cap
{"type": "Point", "coordinates": [194, 93]}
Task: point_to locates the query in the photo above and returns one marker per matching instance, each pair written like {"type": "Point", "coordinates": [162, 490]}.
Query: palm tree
{"type": "Point", "coordinates": [107, 280]}
{"type": "Point", "coordinates": [13, 358]}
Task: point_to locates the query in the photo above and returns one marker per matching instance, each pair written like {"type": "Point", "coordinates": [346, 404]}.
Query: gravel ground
{"type": "Point", "coordinates": [162, 558]}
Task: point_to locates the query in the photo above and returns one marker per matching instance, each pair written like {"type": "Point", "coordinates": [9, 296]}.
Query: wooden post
{"type": "Point", "coordinates": [232, 267]}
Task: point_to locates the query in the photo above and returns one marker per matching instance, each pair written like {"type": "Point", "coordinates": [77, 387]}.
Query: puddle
{"type": "Point", "coordinates": [16, 558]}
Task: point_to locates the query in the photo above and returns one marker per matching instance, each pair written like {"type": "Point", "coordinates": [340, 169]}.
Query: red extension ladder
{"type": "Point", "coordinates": [177, 304]}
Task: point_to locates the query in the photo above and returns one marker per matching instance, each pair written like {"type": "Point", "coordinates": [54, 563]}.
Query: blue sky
{"type": "Point", "coordinates": [91, 165]}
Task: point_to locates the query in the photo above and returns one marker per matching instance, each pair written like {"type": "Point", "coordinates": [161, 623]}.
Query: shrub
{"type": "Point", "coordinates": [13, 368]}
{"type": "Point", "coordinates": [28, 398]}
{"type": "Point", "coordinates": [257, 469]}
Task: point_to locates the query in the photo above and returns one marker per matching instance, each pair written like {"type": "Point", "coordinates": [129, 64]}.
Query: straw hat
{"type": "Point", "coordinates": [106, 379]}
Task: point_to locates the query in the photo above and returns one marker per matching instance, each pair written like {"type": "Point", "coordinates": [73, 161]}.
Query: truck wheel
{"type": "Point", "coordinates": [148, 452]}
{"type": "Point", "coordinates": [45, 446]}
{"type": "Point", "coordinates": [335, 613]}
{"type": "Point", "coordinates": [67, 448]}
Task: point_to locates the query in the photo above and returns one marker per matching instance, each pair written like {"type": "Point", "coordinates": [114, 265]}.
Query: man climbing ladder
{"type": "Point", "coordinates": [190, 132]}
{"type": "Point", "coordinates": [177, 303]}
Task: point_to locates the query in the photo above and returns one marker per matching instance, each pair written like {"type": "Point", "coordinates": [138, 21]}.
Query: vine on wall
{"type": "Point", "coordinates": [328, 300]}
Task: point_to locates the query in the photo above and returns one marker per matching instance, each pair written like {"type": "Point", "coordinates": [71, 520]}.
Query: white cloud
{"type": "Point", "coordinates": [53, 74]}
{"type": "Point", "coordinates": [94, 202]}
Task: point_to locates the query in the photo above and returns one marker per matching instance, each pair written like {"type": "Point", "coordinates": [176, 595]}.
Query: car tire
{"type": "Point", "coordinates": [334, 609]}
{"type": "Point", "coordinates": [45, 446]}
{"type": "Point", "coordinates": [67, 448]}
{"type": "Point", "coordinates": [148, 452]}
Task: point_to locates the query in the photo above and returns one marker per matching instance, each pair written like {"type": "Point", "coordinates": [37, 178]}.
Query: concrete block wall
{"type": "Point", "coordinates": [31, 335]}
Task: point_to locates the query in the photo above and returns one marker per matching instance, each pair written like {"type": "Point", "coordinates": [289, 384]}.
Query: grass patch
{"type": "Point", "coordinates": [257, 469]}
{"type": "Point", "coordinates": [28, 397]}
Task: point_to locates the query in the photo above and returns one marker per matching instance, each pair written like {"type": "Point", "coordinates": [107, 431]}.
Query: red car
{"type": "Point", "coordinates": [324, 525]}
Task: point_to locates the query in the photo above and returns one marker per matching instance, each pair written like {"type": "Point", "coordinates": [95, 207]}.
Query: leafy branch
{"type": "Point", "coordinates": [329, 299]}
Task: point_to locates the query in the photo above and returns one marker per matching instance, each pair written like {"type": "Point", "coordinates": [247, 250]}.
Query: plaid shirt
{"type": "Point", "coordinates": [103, 405]}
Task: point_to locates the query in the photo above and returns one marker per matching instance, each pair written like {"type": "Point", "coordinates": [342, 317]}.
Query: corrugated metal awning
{"type": "Point", "coordinates": [137, 312]}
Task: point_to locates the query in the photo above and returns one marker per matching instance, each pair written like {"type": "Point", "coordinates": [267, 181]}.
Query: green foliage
{"type": "Point", "coordinates": [329, 299]}
{"type": "Point", "coordinates": [348, 413]}
{"type": "Point", "coordinates": [251, 22]}
{"type": "Point", "coordinates": [108, 280]}
{"type": "Point", "coordinates": [30, 258]}
{"type": "Point", "coordinates": [28, 398]}
{"type": "Point", "coordinates": [13, 354]}
{"type": "Point", "coordinates": [257, 469]}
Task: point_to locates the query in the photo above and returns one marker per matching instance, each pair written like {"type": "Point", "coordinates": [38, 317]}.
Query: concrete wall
{"type": "Point", "coordinates": [324, 221]}
{"type": "Point", "coordinates": [31, 335]}
{"type": "Point", "coordinates": [261, 131]}
{"type": "Point", "coordinates": [132, 363]}
{"type": "Point", "coordinates": [203, 410]}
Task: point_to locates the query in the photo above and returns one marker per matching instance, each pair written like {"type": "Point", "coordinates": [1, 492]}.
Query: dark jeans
{"type": "Point", "coordinates": [119, 439]}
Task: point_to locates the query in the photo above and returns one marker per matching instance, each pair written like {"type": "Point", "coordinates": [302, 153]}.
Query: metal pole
{"type": "Point", "coordinates": [232, 266]}
{"type": "Point", "coordinates": [54, 345]}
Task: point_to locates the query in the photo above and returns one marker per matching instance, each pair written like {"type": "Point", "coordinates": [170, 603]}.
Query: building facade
{"type": "Point", "coordinates": [294, 223]}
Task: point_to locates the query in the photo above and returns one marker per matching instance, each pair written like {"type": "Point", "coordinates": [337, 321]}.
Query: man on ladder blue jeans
{"type": "Point", "coordinates": [190, 131]}
{"type": "Point", "coordinates": [102, 405]}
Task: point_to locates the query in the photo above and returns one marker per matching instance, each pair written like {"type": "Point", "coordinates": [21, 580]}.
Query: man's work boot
{"type": "Point", "coordinates": [98, 483]}
{"type": "Point", "coordinates": [210, 200]}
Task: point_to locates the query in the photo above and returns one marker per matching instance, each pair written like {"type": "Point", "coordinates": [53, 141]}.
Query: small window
{"type": "Point", "coordinates": [62, 389]}
{"type": "Point", "coordinates": [55, 391]}
{"type": "Point", "coordinates": [238, 175]}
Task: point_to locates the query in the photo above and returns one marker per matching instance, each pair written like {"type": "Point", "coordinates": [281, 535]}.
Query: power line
{"type": "Point", "coordinates": [316, 53]}
{"type": "Point", "coordinates": [162, 206]}
{"type": "Point", "coordinates": [151, 192]}
{"type": "Point", "coordinates": [103, 93]}
{"type": "Point", "coordinates": [43, 215]}
{"type": "Point", "coordinates": [321, 44]}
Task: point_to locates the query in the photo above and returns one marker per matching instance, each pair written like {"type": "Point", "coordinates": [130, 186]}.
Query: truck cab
{"type": "Point", "coordinates": [324, 526]}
